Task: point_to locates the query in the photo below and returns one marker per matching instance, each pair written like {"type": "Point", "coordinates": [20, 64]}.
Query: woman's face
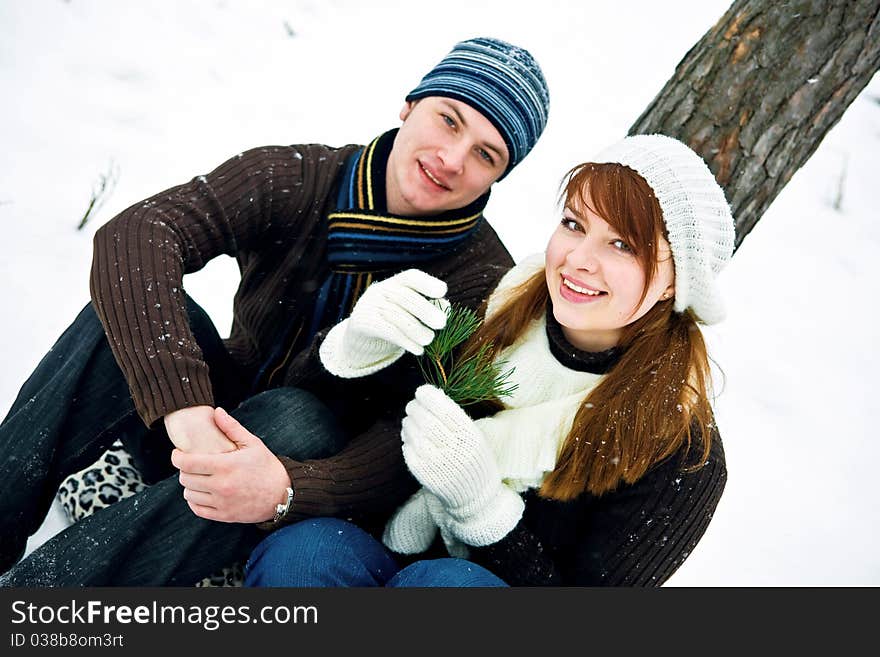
{"type": "Point", "coordinates": [596, 282]}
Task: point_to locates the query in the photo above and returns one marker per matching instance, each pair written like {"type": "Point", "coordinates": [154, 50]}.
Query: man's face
{"type": "Point", "coordinates": [445, 156]}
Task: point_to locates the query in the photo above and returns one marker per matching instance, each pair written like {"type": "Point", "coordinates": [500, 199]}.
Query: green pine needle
{"type": "Point", "coordinates": [467, 381]}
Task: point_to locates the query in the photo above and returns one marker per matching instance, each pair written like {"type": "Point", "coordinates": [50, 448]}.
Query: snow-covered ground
{"type": "Point", "coordinates": [158, 92]}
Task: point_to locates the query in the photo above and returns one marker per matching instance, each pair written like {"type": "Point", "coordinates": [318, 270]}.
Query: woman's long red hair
{"type": "Point", "coordinates": [656, 397]}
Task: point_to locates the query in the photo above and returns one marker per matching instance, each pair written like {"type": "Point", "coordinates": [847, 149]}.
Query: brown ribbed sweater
{"type": "Point", "coordinates": [266, 208]}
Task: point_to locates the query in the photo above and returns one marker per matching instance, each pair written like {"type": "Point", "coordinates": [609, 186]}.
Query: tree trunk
{"type": "Point", "coordinates": [756, 95]}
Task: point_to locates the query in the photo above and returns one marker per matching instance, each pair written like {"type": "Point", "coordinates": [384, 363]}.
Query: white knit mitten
{"type": "Point", "coordinates": [414, 526]}
{"type": "Point", "coordinates": [449, 456]}
{"type": "Point", "coordinates": [391, 317]}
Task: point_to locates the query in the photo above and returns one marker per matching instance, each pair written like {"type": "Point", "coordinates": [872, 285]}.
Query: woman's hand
{"type": "Point", "coordinates": [391, 317]}
{"type": "Point", "coordinates": [446, 452]}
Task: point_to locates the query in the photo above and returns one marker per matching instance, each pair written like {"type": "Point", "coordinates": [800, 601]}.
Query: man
{"type": "Point", "coordinates": [311, 227]}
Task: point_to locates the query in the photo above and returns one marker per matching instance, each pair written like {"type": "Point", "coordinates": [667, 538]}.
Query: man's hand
{"type": "Point", "coordinates": [239, 486]}
{"type": "Point", "coordinates": [391, 317]}
{"type": "Point", "coordinates": [193, 430]}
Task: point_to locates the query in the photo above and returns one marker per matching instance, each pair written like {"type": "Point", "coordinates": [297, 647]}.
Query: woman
{"type": "Point", "coordinates": [604, 465]}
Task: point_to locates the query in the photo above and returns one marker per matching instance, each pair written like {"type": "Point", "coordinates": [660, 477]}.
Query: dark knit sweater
{"type": "Point", "coordinates": [266, 208]}
{"type": "Point", "coordinates": [637, 535]}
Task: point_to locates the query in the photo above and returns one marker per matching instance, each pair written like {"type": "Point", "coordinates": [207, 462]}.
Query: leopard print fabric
{"type": "Point", "coordinates": [111, 478]}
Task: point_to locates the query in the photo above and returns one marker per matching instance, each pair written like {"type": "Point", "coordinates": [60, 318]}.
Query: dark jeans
{"type": "Point", "coordinates": [328, 552]}
{"type": "Point", "coordinates": [71, 409]}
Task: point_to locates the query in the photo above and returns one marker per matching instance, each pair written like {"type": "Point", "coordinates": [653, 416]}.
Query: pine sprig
{"type": "Point", "coordinates": [470, 380]}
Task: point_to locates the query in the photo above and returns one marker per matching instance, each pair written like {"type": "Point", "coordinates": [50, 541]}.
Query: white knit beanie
{"type": "Point", "coordinates": [698, 218]}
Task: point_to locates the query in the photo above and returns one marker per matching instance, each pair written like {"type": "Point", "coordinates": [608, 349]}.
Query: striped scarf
{"type": "Point", "coordinates": [365, 242]}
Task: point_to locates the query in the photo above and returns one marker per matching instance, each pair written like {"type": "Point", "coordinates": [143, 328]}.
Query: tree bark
{"type": "Point", "coordinates": [757, 94]}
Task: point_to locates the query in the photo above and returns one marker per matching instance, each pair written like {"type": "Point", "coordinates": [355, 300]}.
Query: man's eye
{"type": "Point", "coordinates": [448, 120]}
{"type": "Point", "coordinates": [486, 156]}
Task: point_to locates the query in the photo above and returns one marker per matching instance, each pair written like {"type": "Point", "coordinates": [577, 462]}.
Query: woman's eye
{"type": "Point", "coordinates": [570, 224]}
{"type": "Point", "coordinates": [620, 245]}
{"type": "Point", "coordinates": [486, 156]}
{"type": "Point", "coordinates": [448, 120]}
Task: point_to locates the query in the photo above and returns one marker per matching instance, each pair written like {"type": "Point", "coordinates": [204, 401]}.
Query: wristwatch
{"type": "Point", "coordinates": [282, 509]}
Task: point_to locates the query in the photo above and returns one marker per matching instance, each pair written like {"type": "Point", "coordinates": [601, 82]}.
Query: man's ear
{"type": "Point", "coordinates": [407, 109]}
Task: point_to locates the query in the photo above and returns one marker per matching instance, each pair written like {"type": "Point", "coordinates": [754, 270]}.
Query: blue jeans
{"type": "Point", "coordinates": [71, 409]}
{"type": "Point", "coordinates": [328, 552]}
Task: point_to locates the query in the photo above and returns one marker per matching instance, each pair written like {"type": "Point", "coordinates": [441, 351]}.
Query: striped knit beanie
{"type": "Point", "coordinates": [697, 216]}
{"type": "Point", "coordinates": [502, 81]}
